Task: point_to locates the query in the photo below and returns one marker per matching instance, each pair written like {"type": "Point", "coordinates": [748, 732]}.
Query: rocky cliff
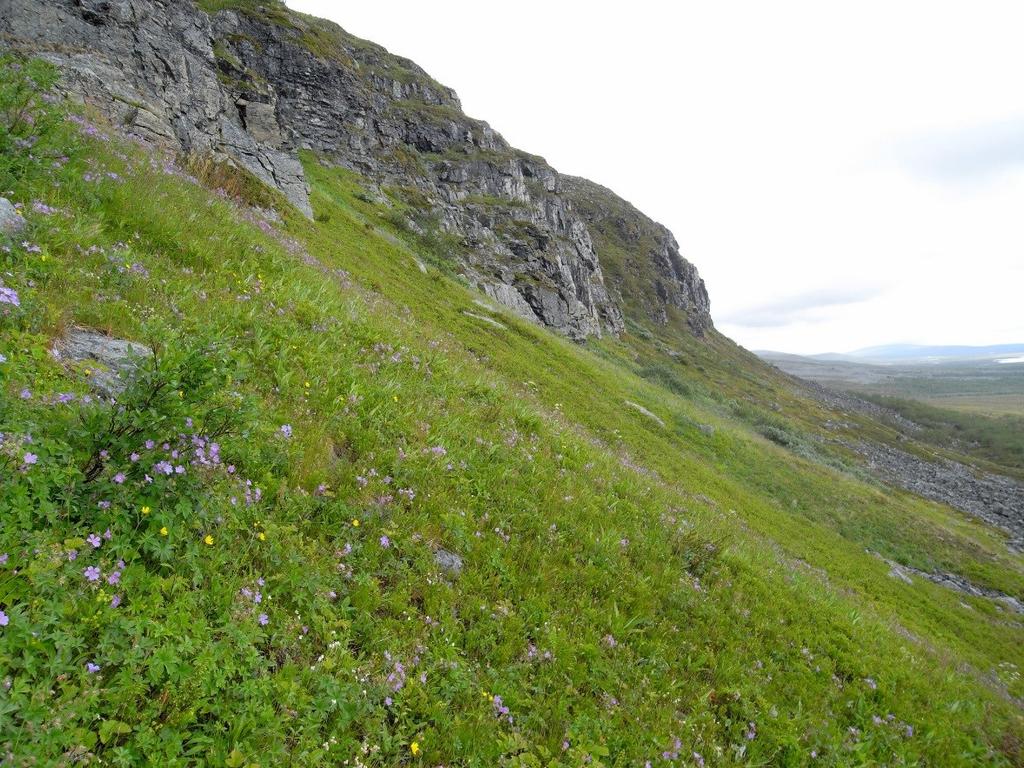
{"type": "Point", "coordinates": [256, 82]}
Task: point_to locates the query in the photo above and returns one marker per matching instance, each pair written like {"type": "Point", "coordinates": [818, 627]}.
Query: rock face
{"type": "Point", "coordinates": [258, 83]}
{"type": "Point", "coordinates": [151, 66]}
{"type": "Point", "coordinates": [641, 259]}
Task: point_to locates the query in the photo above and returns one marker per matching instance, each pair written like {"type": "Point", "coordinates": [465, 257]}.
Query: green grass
{"type": "Point", "coordinates": [267, 10]}
{"type": "Point", "coordinates": [989, 405]}
{"type": "Point", "coordinates": [624, 585]}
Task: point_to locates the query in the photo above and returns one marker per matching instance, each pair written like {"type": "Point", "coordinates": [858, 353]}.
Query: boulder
{"type": "Point", "coordinates": [112, 360]}
{"type": "Point", "coordinates": [11, 221]}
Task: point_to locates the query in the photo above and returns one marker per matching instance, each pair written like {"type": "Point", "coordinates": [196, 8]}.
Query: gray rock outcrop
{"type": "Point", "coordinates": [258, 84]}
{"type": "Point", "coordinates": [996, 499]}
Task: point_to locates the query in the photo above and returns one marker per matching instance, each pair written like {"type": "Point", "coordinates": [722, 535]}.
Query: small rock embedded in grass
{"type": "Point", "coordinates": [488, 320]}
{"type": "Point", "coordinates": [484, 305]}
{"type": "Point", "coordinates": [896, 572]}
{"type": "Point", "coordinates": [113, 359]}
{"type": "Point", "coordinates": [645, 412]}
{"type": "Point", "coordinates": [11, 221]}
{"type": "Point", "coordinates": [449, 562]}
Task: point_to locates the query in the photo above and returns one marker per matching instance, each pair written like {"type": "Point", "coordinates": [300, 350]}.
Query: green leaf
{"type": "Point", "coordinates": [111, 728]}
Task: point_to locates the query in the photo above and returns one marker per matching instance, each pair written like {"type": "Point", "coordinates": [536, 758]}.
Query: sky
{"type": "Point", "coordinates": [842, 174]}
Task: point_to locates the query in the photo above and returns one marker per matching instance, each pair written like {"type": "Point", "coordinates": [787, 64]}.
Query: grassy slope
{"type": "Point", "coordinates": [748, 622]}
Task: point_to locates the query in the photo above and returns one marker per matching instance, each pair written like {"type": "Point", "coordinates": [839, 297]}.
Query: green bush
{"type": "Point", "coordinates": [29, 117]}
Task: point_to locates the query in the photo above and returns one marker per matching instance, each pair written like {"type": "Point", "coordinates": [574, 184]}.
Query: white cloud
{"type": "Point", "coordinates": [809, 306]}
{"type": "Point", "coordinates": [772, 139]}
{"type": "Point", "coordinates": [970, 154]}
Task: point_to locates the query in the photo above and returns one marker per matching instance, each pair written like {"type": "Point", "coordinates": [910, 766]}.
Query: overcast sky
{"type": "Point", "coordinates": [842, 174]}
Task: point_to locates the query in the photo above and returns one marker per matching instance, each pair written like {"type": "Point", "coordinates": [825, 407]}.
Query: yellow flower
{"type": "Point", "coordinates": [414, 748]}
{"type": "Point", "coordinates": [395, 397]}
{"type": "Point", "coordinates": [208, 539]}
{"type": "Point", "coordinates": [145, 510]}
{"type": "Point", "coordinates": [261, 536]}
{"type": "Point", "coordinates": [163, 531]}
{"type": "Point", "coordinates": [307, 385]}
{"type": "Point", "coordinates": [355, 523]}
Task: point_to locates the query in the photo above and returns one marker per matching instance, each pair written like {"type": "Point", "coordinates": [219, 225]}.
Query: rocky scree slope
{"type": "Point", "coordinates": [256, 83]}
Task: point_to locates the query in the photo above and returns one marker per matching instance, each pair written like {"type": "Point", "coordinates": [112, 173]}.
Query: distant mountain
{"type": "Point", "coordinates": [908, 352]}
{"type": "Point", "coordinates": [902, 353]}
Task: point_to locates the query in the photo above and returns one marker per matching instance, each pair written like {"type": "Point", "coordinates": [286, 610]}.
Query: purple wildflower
{"type": "Point", "coordinates": [4, 619]}
{"type": "Point", "coordinates": [9, 296]}
{"type": "Point", "coordinates": [114, 578]}
{"type": "Point", "coordinates": [94, 540]}
{"type": "Point", "coordinates": [500, 710]}
{"type": "Point", "coordinates": [119, 478]}
{"type": "Point", "coordinates": [264, 619]}
{"type": "Point", "coordinates": [92, 573]}
{"type": "Point", "coordinates": [91, 668]}
{"type": "Point", "coordinates": [385, 542]}
{"type": "Point", "coordinates": [286, 430]}
{"type": "Point", "coordinates": [115, 601]}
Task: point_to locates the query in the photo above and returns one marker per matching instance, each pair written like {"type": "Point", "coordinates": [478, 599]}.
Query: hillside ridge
{"type": "Point", "coordinates": [256, 83]}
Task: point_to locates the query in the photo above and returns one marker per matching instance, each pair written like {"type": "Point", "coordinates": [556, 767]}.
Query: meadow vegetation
{"type": "Point", "coordinates": [246, 558]}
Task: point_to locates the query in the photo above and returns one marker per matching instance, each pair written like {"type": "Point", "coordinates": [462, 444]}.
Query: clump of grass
{"type": "Point", "coordinates": [232, 181]}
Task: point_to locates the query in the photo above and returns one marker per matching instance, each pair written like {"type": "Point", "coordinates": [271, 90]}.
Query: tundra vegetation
{"type": "Point", "coordinates": [247, 556]}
